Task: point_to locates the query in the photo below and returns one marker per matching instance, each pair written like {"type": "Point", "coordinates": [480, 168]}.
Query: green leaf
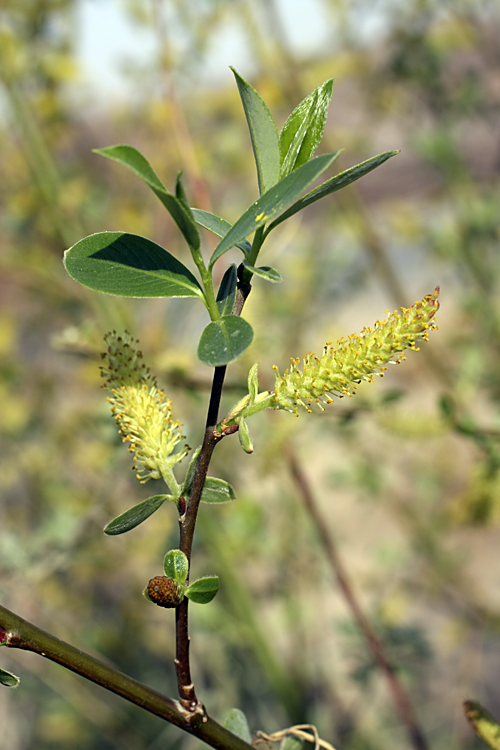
{"type": "Point", "coordinates": [273, 202]}
{"type": "Point", "coordinates": [263, 133]}
{"type": "Point", "coordinates": [136, 515]}
{"type": "Point", "coordinates": [226, 295]}
{"type": "Point", "coordinates": [292, 153]}
{"type": "Point", "coordinates": [335, 183]}
{"type": "Point", "coordinates": [7, 679]}
{"type": "Point", "coordinates": [191, 471]}
{"type": "Point", "coordinates": [304, 129]}
{"type": "Point", "coordinates": [484, 724]}
{"type": "Point", "coordinates": [236, 722]}
{"type": "Point", "coordinates": [176, 565]}
{"type": "Point", "coordinates": [244, 436]}
{"type": "Point", "coordinates": [217, 226]}
{"type": "Point", "coordinates": [217, 491]}
{"type": "Point", "coordinates": [180, 193]}
{"type": "Point", "coordinates": [177, 207]}
{"type": "Point", "coordinates": [293, 743]}
{"type": "Point", "coordinates": [224, 340]}
{"type": "Point", "coordinates": [265, 272]}
{"type": "Point", "coordinates": [203, 590]}
{"type": "Point", "coordinates": [129, 266]}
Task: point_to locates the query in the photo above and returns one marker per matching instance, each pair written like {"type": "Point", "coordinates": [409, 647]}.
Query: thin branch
{"type": "Point", "coordinates": [399, 695]}
{"type": "Point", "coordinates": [18, 633]}
{"type": "Point", "coordinates": [187, 523]}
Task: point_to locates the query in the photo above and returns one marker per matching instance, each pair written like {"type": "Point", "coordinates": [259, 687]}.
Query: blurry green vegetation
{"type": "Point", "coordinates": [410, 485]}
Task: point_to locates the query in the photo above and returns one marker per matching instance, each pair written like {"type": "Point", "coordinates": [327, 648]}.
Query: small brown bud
{"type": "Point", "coordinates": [165, 592]}
{"type": "Point", "coordinates": [230, 430]}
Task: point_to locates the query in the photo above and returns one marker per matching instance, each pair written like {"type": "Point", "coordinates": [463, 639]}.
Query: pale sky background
{"type": "Point", "coordinates": [109, 38]}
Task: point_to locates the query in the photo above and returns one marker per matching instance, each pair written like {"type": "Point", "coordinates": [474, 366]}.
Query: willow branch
{"type": "Point", "coordinates": [18, 633]}
{"type": "Point", "coordinates": [399, 695]}
{"type": "Point", "coordinates": [187, 523]}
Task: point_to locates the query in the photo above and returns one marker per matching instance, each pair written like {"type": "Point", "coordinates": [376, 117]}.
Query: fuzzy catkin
{"type": "Point", "coordinates": [343, 366]}
{"type": "Point", "coordinates": [142, 412]}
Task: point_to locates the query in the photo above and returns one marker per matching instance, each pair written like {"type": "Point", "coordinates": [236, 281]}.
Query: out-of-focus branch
{"type": "Point", "coordinates": [401, 700]}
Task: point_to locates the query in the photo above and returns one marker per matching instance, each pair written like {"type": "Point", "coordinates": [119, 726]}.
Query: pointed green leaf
{"type": "Point", "coordinates": [191, 471]}
{"type": "Point", "coordinates": [7, 679]}
{"type": "Point", "coordinates": [176, 565]}
{"type": "Point", "coordinates": [217, 491]}
{"type": "Point", "coordinates": [484, 724]}
{"type": "Point", "coordinates": [203, 590]}
{"type": "Point", "coordinates": [263, 133]}
{"type": "Point", "coordinates": [304, 129]}
{"type": "Point", "coordinates": [135, 515]}
{"type": "Point", "coordinates": [219, 227]}
{"type": "Point", "coordinates": [180, 193]}
{"type": "Point", "coordinates": [226, 295]}
{"type": "Point", "coordinates": [335, 183]}
{"type": "Point", "coordinates": [129, 266]}
{"type": "Point", "coordinates": [224, 340]}
{"type": "Point", "coordinates": [273, 202]}
{"type": "Point", "coordinates": [177, 207]}
{"type": "Point", "coordinates": [290, 154]}
{"type": "Point", "coordinates": [293, 743]}
{"type": "Point", "coordinates": [265, 272]}
{"type": "Point", "coordinates": [236, 722]}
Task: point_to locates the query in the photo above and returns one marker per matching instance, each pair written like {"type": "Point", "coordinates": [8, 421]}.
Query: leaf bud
{"type": "Point", "coordinates": [244, 436]}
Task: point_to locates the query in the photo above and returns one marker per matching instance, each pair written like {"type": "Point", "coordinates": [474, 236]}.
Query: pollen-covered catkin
{"type": "Point", "coordinates": [142, 412]}
{"type": "Point", "coordinates": [344, 365]}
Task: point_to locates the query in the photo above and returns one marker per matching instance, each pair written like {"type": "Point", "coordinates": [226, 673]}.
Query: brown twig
{"type": "Point", "coordinates": [187, 523]}
{"type": "Point", "coordinates": [400, 697]}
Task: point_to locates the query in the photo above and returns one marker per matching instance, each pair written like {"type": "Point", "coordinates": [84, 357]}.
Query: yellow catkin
{"type": "Point", "coordinates": [360, 357]}
{"type": "Point", "coordinates": [142, 412]}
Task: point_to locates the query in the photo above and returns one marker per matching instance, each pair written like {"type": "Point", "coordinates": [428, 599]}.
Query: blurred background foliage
{"type": "Point", "coordinates": [407, 475]}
